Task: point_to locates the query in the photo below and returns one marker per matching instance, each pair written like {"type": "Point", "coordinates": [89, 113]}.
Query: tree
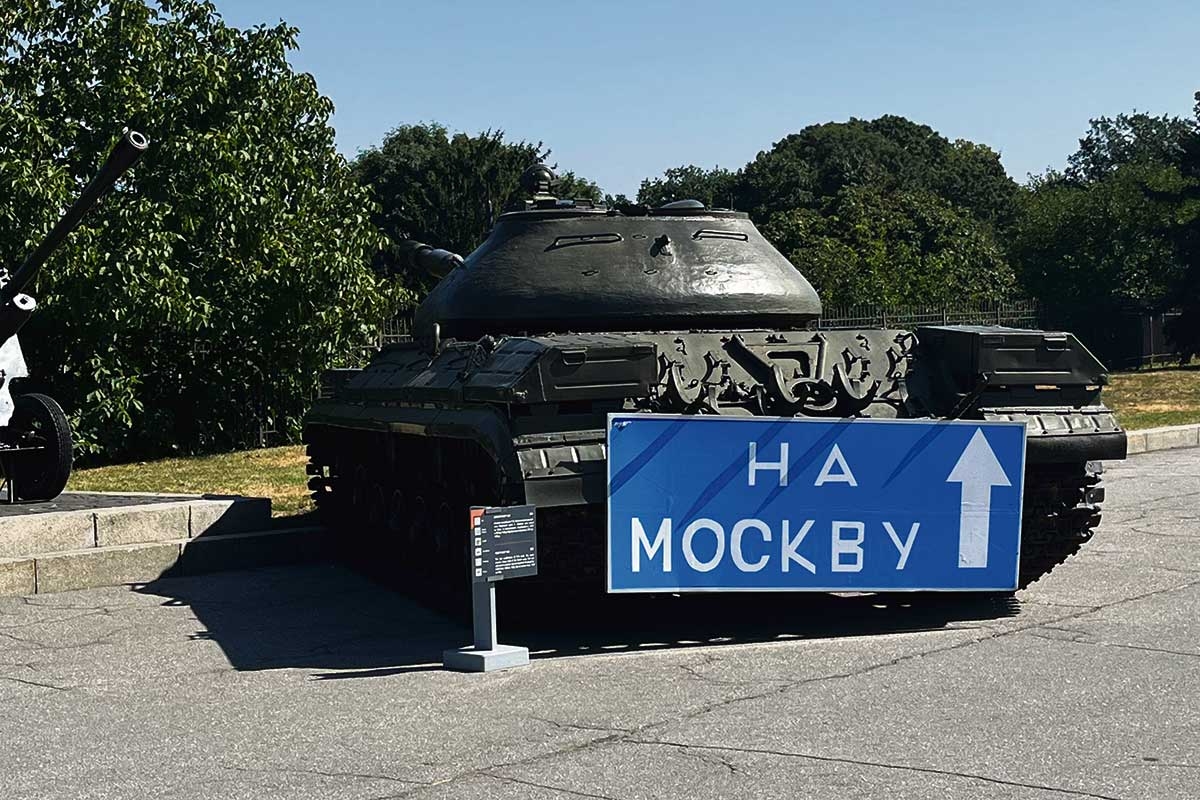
{"type": "Point", "coordinates": [446, 190]}
{"type": "Point", "coordinates": [1128, 139]}
{"type": "Point", "coordinates": [1116, 231]}
{"type": "Point", "coordinates": [891, 153]}
{"type": "Point", "coordinates": [713, 187]}
{"type": "Point", "coordinates": [878, 211]}
{"type": "Point", "coordinates": [212, 286]}
{"type": "Point", "coordinates": [904, 248]}
{"type": "Point", "coordinates": [574, 187]}
{"type": "Point", "coordinates": [1096, 245]}
{"type": "Point", "coordinates": [1182, 201]}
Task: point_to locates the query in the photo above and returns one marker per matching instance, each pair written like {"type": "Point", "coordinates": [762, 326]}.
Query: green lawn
{"type": "Point", "coordinates": [276, 472]}
{"type": "Point", "coordinates": [1151, 398]}
{"type": "Point", "coordinates": [1142, 399]}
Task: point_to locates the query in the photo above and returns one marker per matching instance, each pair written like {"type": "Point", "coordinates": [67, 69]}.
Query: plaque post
{"type": "Point", "coordinates": [503, 544]}
{"type": "Point", "coordinates": [483, 614]}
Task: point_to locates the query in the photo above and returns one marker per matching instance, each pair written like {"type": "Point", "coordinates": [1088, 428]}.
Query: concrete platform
{"type": "Point", "coordinates": [90, 539]}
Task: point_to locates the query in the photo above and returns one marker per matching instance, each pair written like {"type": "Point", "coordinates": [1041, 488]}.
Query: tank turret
{"type": "Point", "coordinates": [569, 265]}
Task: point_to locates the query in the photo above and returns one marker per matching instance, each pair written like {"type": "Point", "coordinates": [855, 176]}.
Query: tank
{"type": "Point", "coordinates": [571, 310]}
{"type": "Point", "coordinates": [36, 443]}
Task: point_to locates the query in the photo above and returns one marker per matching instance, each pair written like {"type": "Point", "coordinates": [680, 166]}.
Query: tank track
{"type": "Point", "coordinates": [1062, 510]}
{"type": "Point", "coordinates": [403, 503]}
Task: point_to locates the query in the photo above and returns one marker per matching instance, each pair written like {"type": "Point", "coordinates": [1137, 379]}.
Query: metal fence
{"type": "Point", "coordinates": [1014, 314]}
{"type": "Point", "coordinates": [396, 329]}
{"type": "Point", "coordinates": [1124, 339]}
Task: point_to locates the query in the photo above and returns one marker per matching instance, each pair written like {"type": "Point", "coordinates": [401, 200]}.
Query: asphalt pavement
{"type": "Point", "coordinates": [315, 682]}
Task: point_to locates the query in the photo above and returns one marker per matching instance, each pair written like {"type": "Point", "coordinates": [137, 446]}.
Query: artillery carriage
{"type": "Point", "coordinates": [571, 310]}
{"type": "Point", "coordinates": [35, 437]}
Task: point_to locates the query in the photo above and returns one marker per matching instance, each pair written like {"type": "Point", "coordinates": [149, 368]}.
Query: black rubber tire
{"type": "Point", "coordinates": [43, 475]}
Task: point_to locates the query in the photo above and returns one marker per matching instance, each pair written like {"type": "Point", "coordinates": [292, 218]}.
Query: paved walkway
{"type": "Point", "coordinates": [313, 682]}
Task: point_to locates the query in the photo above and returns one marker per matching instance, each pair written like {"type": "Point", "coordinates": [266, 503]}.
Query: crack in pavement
{"type": "Point", "coordinates": [323, 774]}
{"type": "Point", "coordinates": [489, 770]}
{"type": "Point", "coordinates": [99, 640]}
{"type": "Point", "coordinates": [576, 727]}
{"type": "Point", "coordinates": [563, 789]}
{"type": "Point", "coordinates": [1159, 500]}
{"type": "Point", "coordinates": [1092, 609]}
{"type": "Point", "coordinates": [36, 683]}
{"type": "Point", "coordinates": [1080, 637]}
{"type": "Point", "coordinates": [1145, 532]}
{"type": "Point", "coordinates": [876, 764]}
{"type": "Point", "coordinates": [713, 758]}
{"type": "Point", "coordinates": [1052, 604]}
{"type": "Point", "coordinates": [708, 659]}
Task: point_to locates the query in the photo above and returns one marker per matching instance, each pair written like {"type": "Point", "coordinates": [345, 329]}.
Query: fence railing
{"type": "Point", "coordinates": [1013, 313]}
{"type": "Point", "coordinates": [396, 329]}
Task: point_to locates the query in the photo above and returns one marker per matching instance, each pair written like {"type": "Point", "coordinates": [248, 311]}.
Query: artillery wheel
{"type": "Point", "coordinates": [43, 474]}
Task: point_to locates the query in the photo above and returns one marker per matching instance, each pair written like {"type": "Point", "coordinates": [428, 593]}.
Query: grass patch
{"type": "Point", "coordinates": [276, 472]}
{"type": "Point", "coordinates": [1143, 399]}
{"type": "Point", "coordinates": [1152, 398]}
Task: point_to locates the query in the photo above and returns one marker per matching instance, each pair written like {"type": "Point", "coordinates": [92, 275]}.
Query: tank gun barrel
{"type": "Point", "coordinates": [123, 156]}
{"type": "Point", "coordinates": [427, 259]}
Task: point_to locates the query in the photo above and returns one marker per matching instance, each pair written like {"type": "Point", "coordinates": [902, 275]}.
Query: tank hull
{"type": "Point", "coordinates": [405, 446]}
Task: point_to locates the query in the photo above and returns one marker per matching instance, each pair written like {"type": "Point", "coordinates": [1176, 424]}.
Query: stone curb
{"type": "Point", "coordinates": [1172, 437]}
{"type": "Point", "coordinates": [114, 565]}
{"type": "Point", "coordinates": [180, 518]}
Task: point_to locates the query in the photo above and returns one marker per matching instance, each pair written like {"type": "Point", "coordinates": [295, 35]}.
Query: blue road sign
{"type": "Point", "coordinates": [707, 503]}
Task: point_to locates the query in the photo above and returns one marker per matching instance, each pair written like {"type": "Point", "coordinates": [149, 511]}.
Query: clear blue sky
{"type": "Point", "coordinates": [623, 90]}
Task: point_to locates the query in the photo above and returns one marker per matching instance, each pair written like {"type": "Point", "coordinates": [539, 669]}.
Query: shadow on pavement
{"type": "Point", "coordinates": [329, 617]}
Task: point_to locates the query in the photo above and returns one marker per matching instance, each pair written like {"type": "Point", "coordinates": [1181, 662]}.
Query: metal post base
{"type": "Point", "coordinates": [502, 656]}
{"type": "Point", "coordinates": [486, 655]}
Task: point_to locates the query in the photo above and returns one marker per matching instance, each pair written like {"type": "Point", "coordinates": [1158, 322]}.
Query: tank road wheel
{"type": "Point", "coordinates": [397, 518]}
{"type": "Point", "coordinates": [42, 474]}
{"type": "Point", "coordinates": [377, 510]}
{"type": "Point", "coordinates": [418, 528]}
{"type": "Point", "coordinates": [451, 538]}
{"type": "Point", "coordinates": [360, 493]}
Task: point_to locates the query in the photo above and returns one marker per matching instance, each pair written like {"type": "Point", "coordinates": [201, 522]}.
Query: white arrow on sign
{"type": "Point", "coordinates": [978, 471]}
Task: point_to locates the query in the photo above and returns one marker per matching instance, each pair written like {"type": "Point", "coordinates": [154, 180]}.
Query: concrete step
{"type": "Point", "coordinates": [81, 520]}
{"type": "Point", "coordinates": [116, 564]}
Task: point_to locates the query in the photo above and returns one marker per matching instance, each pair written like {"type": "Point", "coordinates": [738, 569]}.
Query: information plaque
{"type": "Point", "coordinates": [503, 543]}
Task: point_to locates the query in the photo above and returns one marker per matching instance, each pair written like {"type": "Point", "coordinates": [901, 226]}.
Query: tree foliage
{"type": "Point", "coordinates": [212, 286]}
{"type": "Point", "coordinates": [1118, 229]}
{"type": "Point", "coordinates": [1183, 228]}
{"type": "Point", "coordinates": [713, 187]}
{"type": "Point", "coordinates": [888, 154]}
{"type": "Point", "coordinates": [1096, 244]}
{"type": "Point", "coordinates": [864, 246]}
{"type": "Point", "coordinates": [872, 211]}
{"type": "Point", "coordinates": [1127, 140]}
{"type": "Point", "coordinates": [446, 190]}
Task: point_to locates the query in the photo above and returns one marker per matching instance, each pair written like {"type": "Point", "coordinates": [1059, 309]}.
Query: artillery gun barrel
{"type": "Point", "coordinates": [126, 152]}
